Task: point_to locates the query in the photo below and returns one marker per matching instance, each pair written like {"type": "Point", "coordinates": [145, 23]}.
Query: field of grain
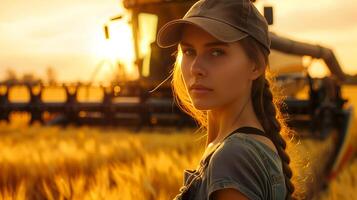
{"type": "Point", "coordinates": [38, 162]}
{"type": "Point", "coordinates": [93, 163]}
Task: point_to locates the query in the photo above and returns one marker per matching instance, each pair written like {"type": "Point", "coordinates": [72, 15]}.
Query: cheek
{"type": "Point", "coordinates": [232, 79]}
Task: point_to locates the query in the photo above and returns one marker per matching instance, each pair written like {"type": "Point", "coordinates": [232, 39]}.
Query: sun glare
{"type": "Point", "coordinates": [316, 67]}
{"type": "Point", "coordinates": [117, 49]}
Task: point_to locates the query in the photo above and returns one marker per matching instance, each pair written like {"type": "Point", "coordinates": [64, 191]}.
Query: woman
{"type": "Point", "coordinates": [220, 79]}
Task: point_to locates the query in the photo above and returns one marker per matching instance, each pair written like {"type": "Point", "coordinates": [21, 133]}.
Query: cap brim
{"type": "Point", "coordinates": [170, 34]}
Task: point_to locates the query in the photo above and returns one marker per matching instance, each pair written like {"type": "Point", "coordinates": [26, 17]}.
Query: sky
{"type": "Point", "coordinates": [68, 34]}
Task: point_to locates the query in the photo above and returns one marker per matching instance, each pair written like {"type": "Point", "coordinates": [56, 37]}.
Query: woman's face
{"type": "Point", "coordinates": [223, 68]}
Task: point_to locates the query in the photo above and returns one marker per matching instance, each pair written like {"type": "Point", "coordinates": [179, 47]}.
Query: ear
{"type": "Point", "coordinates": [256, 71]}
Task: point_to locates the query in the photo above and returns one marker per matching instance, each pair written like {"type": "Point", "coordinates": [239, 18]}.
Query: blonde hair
{"type": "Point", "coordinates": [267, 102]}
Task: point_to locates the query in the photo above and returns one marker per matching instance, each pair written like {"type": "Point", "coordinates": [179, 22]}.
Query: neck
{"type": "Point", "coordinates": [224, 120]}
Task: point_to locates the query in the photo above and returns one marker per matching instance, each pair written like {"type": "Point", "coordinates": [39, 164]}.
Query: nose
{"type": "Point", "coordinates": [197, 67]}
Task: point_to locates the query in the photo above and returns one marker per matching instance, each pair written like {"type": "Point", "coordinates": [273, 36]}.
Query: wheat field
{"type": "Point", "coordinates": [39, 162]}
{"type": "Point", "coordinates": [93, 163]}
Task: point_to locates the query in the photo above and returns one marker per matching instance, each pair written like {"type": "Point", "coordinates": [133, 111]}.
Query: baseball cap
{"type": "Point", "coordinates": [226, 20]}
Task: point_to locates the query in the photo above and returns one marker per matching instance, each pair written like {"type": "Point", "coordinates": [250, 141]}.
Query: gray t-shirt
{"type": "Point", "coordinates": [240, 162]}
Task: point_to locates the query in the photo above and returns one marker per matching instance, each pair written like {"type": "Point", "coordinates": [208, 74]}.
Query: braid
{"type": "Point", "coordinates": [265, 106]}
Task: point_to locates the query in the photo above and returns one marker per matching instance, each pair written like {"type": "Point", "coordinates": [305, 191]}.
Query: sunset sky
{"type": "Point", "coordinates": [68, 34]}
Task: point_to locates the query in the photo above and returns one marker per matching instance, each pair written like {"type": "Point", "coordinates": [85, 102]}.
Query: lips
{"type": "Point", "coordinates": [199, 88]}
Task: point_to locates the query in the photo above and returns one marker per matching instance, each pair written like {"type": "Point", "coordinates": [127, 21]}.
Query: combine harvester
{"type": "Point", "coordinates": [322, 118]}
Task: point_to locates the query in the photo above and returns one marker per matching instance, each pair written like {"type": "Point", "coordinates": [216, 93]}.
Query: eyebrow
{"type": "Point", "coordinates": [209, 44]}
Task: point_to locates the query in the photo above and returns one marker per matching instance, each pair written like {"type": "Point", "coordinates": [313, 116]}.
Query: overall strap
{"type": "Point", "coordinates": [247, 130]}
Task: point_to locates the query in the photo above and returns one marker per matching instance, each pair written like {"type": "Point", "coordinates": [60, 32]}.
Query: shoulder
{"type": "Point", "coordinates": [260, 147]}
{"type": "Point", "coordinates": [240, 148]}
{"type": "Point", "coordinates": [240, 163]}
{"type": "Point", "coordinates": [236, 152]}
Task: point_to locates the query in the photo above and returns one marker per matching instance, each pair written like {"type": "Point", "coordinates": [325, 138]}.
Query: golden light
{"type": "Point", "coordinates": [147, 34]}
{"type": "Point", "coordinates": [119, 48]}
{"type": "Point", "coordinates": [316, 67]}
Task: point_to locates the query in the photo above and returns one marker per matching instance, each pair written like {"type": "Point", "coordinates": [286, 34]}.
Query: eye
{"type": "Point", "coordinates": [217, 52]}
{"type": "Point", "coordinates": [188, 52]}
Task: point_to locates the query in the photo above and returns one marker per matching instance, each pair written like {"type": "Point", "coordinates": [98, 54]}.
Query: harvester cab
{"type": "Point", "coordinates": [146, 17]}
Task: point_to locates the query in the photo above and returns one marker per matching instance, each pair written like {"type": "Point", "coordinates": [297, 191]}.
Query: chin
{"type": "Point", "coordinates": [201, 105]}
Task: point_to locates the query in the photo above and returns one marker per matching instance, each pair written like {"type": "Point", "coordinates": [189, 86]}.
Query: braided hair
{"type": "Point", "coordinates": [267, 106]}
